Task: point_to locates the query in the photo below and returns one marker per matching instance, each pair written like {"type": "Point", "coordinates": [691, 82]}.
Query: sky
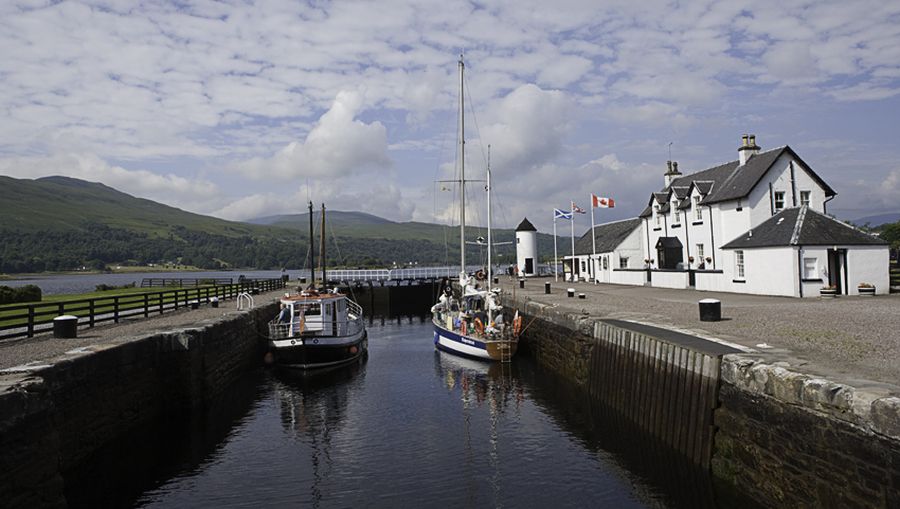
{"type": "Point", "coordinates": [242, 109]}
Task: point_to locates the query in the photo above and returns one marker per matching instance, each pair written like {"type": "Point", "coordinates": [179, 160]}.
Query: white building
{"type": "Point", "coordinates": [754, 225]}
{"type": "Point", "coordinates": [526, 248]}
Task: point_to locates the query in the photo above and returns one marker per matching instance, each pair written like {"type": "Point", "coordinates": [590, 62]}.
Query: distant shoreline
{"type": "Point", "coordinates": [120, 270]}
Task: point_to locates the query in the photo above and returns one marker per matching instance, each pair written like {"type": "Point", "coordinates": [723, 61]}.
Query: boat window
{"type": "Point", "coordinates": [311, 309]}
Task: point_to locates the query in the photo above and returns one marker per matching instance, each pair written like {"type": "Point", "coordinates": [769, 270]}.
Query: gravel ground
{"type": "Point", "coordinates": [852, 339]}
{"type": "Point", "coordinates": [43, 347]}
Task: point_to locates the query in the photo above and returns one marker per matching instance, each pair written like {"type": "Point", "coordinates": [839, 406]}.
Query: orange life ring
{"type": "Point", "coordinates": [479, 327]}
{"type": "Point", "coordinates": [517, 325]}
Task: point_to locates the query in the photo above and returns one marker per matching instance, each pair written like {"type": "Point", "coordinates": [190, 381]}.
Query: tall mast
{"type": "Point", "coordinates": [322, 248]}
{"type": "Point", "coordinates": [312, 249]}
{"type": "Point", "coordinates": [490, 243]}
{"type": "Point", "coordinates": [462, 170]}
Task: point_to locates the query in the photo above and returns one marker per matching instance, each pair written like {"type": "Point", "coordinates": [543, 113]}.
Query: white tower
{"type": "Point", "coordinates": [526, 248]}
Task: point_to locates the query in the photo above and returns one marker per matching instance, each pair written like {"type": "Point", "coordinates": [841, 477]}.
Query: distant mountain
{"type": "Point", "coordinates": [62, 223]}
{"type": "Point", "coordinates": [336, 218]}
{"type": "Point", "coordinates": [875, 221]}
{"type": "Point", "coordinates": [69, 204]}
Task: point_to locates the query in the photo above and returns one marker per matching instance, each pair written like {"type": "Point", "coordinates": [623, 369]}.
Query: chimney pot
{"type": "Point", "coordinates": [744, 140]}
{"type": "Point", "coordinates": [674, 166]}
{"type": "Point", "coordinates": [669, 166]}
{"type": "Point", "coordinates": [752, 140]}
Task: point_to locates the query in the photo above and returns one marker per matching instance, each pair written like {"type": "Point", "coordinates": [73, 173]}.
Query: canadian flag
{"type": "Point", "coordinates": [606, 203]}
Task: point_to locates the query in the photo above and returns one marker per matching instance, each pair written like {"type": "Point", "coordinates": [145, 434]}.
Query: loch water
{"type": "Point", "coordinates": [408, 427]}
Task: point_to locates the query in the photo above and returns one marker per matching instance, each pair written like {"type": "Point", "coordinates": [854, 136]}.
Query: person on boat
{"type": "Point", "coordinates": [284, 316]}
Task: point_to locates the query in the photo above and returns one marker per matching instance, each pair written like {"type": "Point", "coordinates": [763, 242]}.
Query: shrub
{"type": "Point", "coordinates": [27, 293]}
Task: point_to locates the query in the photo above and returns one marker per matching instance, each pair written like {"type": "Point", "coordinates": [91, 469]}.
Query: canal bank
{"type": "Point", "coordinates": [61, 400]}
{"type": "Point", "coordinates": [771, 423]}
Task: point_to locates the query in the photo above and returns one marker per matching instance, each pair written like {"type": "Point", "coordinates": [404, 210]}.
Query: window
{"type": "Point", "coordinates": [779, 200]}
{"type": "Point", "coordinates": [623, 262]}
{"type": "Point", "coordinates": [804, 197]}
{"type": "Point", "coordinates": [518, 240]}
{"type": "Point", "coordinates": [739, 264]}
{"type": "Point", "coordinates": [583, 266]}
{"type": "Point", "coordinates": [677, 216]}
{"type": "Point", "coordinates": [809, 268]}
{"type": "Point", "coordinates": [656, 214]}
{"type": "Point", "coordinates": [698, 212]}
{"type": "Point", "coordinates": [700, 252]}
{"type": "Point", "coordinates": [605, 263]}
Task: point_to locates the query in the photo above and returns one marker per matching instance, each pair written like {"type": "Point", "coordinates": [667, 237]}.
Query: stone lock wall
{"type": "Point", "coordinates": [794, 440]}
{"type": "Point", "coordinates": [54, 417]}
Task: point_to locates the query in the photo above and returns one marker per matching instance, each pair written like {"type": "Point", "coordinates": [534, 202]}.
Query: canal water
{"type": "Point", "coordinates": [409, 427]}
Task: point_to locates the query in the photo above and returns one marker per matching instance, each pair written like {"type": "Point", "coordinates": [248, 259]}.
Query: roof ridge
{"type": "Point", "coordinates": [798, 225]}
{"type": "Point", "coordinates": [618, 221]}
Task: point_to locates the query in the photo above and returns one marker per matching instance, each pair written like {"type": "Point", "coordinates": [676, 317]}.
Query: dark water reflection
{"type": "Point", "coordinates": [410, 427]}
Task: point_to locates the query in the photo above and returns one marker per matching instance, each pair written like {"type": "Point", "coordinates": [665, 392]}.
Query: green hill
{"type": "Point", "coordinates": [69, 204]}
{"type": "Point", "coordinates": [61, 223]}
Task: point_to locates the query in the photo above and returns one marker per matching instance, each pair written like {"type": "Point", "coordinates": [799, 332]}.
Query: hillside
{"type": "Point", "coordinates": [61, 223]}
{"type": "Point", "coordinates": [69, 204]}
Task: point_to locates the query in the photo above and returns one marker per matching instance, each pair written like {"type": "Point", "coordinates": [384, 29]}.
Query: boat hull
{"type": "Point", "coordinates": [470, 346]}
{"type": "Point", "coordinates": [314, 352]}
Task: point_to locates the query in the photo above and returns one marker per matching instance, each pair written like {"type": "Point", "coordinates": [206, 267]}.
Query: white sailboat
{"type": "Point", "coordinates": [473, 325]}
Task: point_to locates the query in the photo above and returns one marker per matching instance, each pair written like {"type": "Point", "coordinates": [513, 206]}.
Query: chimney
{"type": "Point", "coordinates": [672, 172]}
{"type": "Point", "coordinates": [748, 148]}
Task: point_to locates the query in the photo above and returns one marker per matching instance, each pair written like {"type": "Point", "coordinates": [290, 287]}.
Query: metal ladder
{"type": "Point", "coordinates": [505, 347]}
{"type": "Point", "coordinates": [244, 297]}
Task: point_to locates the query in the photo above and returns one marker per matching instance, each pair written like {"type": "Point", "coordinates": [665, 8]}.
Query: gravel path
{"type": "Point", "coordinates": [853, 339]}
{"type": "Point", "coordinates": [43, 347]}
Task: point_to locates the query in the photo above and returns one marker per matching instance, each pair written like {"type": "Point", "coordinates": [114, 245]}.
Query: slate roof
{"type": "Point", "coordinates": [526, 226]}
{"type": "Point", "coordinates": [802, 226]}
{"type": "Point", "coordinates": [729, 181]}
{"type": "Point", "coordinates": [608, 236]}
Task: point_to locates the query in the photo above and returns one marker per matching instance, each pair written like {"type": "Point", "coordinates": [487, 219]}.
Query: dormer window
{"type": "Point", "coordinates": [779, 201]}
{"type": "Point", "coordinates": [804, 198]}
{"type": "Point", "coordinates": [698, 212]}
{"type": "Point", "coordinates": [656, 214]}
{"type": "Point", "coordinates": [676, 216]}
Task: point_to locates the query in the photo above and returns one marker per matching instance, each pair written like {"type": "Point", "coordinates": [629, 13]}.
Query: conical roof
{"type": "Point", "coordinates": [526, 226]}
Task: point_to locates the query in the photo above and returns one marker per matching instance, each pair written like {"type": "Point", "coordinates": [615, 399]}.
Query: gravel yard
{"type": "Point", "coordinates": [43, 347]}
{"type": "Point", "coordinates": [853, 339]}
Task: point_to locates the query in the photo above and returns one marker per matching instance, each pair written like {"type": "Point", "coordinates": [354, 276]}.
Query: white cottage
{"type": "Point", "coordinates": [754, 225]}
{"type": "Point", "coordinates": [618, 246]}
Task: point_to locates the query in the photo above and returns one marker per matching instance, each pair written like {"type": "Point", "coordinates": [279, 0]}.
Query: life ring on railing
{"type": "Point", "coordinates": [479, 327]}
{"type": "Point", "coordinates": [479, 275]}
{"type": "Point", "coordinates": [517, 325]}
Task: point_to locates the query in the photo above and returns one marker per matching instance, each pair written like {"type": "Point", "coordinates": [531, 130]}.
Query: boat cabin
{"type": "Point", "coordinates": [317, 314]}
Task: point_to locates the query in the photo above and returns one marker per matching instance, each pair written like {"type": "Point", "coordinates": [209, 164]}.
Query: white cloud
{"type": "Point", "coordinates": [339, 145]}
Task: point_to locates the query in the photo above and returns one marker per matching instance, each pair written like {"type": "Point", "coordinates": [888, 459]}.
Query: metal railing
{"type": "Point", "coordinates": [26, 320]}
{"type": "Point", "coordinates": [388, 274]}
{"type": "Point", "coordinates": [155, 282]}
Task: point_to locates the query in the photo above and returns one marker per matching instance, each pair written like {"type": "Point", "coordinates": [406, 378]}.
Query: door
{"type": "Point", "coordinates": [836, 269]}
{"type": "Point", "coordinates": [529, 265]}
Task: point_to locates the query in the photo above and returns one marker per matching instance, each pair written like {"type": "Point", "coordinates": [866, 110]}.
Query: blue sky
{"type": "Point", "coordinates": [241, 109]}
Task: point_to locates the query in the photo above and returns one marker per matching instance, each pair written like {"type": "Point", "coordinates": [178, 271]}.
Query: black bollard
{"type": "Point", "coordinates": [496, 280]}
{"type": "Point", "coordinates": [547, 287]}
{"type": "Point", "coordinates": [710, 310]}
{"type": "Point", "coordinates": [570, 292]}
{"type": "Point", "coordinates": [522, 283]}
{"type": "Point", "coordinates": [580, 295]}
{"type": "Point", "coordinates": [65, 326]}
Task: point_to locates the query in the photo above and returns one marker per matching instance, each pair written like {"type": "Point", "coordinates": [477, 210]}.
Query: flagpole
{"type": "Point", "coordinates": [593, 241]}
{"type": "Point", "coordinates": [555, 256]}
{"type": "Point", "coordinates": [573, 241]}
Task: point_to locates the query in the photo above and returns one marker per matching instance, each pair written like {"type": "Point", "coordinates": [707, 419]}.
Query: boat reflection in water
{"type": "Point", "coordinates": [313, 410]}
{"type": "Point", "coordinates": [493, 386]}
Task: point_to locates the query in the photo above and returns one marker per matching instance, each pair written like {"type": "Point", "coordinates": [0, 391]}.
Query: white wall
{"type": "Point", "coordinates": [779, 175]}
{"type": "Point", "coordinates": [767, 271]}
{"type": "Point", "coordinates": [711, 282]}
{"type": "Point", "coordinates": [666, 279]}
{"type": "Point", "coordinates": [629, 277]}
{"type": "Point", "coordinates": [868, 264]}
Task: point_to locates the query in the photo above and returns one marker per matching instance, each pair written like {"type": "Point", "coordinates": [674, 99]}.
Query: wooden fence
{"type": "Point", "coordinates": [26, 320]}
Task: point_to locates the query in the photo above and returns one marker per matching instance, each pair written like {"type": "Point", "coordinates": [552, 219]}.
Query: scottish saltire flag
{"type": "Point", "coordinates": [559, 214]}
{"type": "Point", "coordinates": [576, 208]}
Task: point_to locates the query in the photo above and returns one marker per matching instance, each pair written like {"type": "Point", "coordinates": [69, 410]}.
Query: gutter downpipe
{"type": "Point", "coordinates": [712, 238]}
{"type": "Point", "coordinates": [800, 268]}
